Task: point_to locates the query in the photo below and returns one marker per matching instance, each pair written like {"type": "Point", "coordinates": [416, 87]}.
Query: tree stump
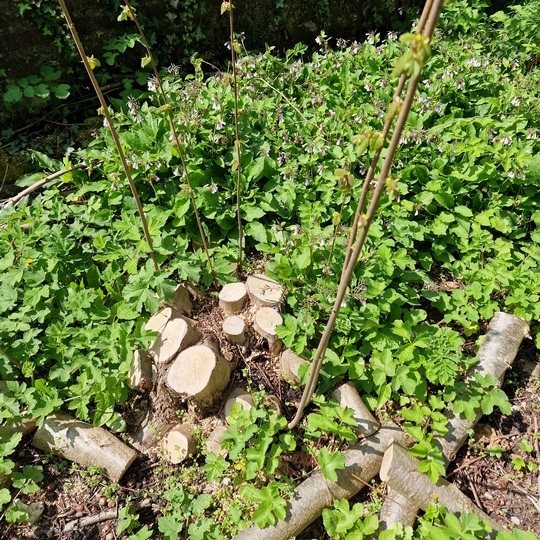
{"type": "Point", "coordinates": [238, 395]}
{"type": "Point", "coordinates": [200, 374]}
{"type": "Point", "coordinates": [232, 298]}
{"type": "Point", "coordinates": [213, 442]}
{"type": "Point", "coordinates": [140, 376]}
{"type": "Point", "coordinates": [234, 329]}
{"type": "Point", "coordinates": [290, 366]}
{"type": "Point", "coordinates": [264, 291]}
{"type": "Point", "coordinates": [175, 336]}
{"type": "Point", "coordinates": [179, 444]}
{"type": "Point", "coordinates": [264, 323]}
{"type": "Point", "coordinates": [181, 300]}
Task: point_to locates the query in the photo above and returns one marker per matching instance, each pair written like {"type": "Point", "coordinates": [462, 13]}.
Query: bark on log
{"type": "Point", "coordinates": [140, 376]}
{"type": "Point", "coordinates": [234, 329]}
{"type": "Point", "coordinates": [232, 298]}
{"type": "Point", "coordinates": [84, 444]}
{"type": "Point", "coordinates": [181, 300]}
{"type": "Point", "coordinates": [264, 323]}
{"type": "Point", "coordinates": [396, 508]}
{"type": "Point", "coordinates": [199, 373]}
{"type": "Point", "coordinates": [290, 366]}
{"type": "Point", "coordinates": [238, 395]}
{"type": "Point", "coordinates": [400, 471]}
{"type": "Point", "coordinates": [347, 396]}
{"type": "Point", "coordinates": [362, 464]}
{"type": "Point", "coordinates": [495, 355]}
{"type": "Point", "coordinates": [150, 433]}
{"type": "Point", "coordinates": [179, 444]}
{"type": "Point", "coordinates": [175, 336]}
{"type": "Point", "coordinates": [213, 442]}
{"type": "Point", "coordinates": [264, 291]}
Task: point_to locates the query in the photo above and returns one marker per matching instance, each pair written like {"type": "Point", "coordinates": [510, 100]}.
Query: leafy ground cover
{"type": "Point", "coordinates": [456, 240]}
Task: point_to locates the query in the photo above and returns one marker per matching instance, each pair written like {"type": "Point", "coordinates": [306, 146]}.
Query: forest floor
{"type": "Point", "coordinates": [498, 468]}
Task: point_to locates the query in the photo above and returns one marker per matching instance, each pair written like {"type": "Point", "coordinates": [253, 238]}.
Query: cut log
{"type": "Point", "coordinates": [396, 508]}
{"type": "Point", "coordinates": [347, 396]}
{"type": "Point", "coordinates": [181, 300]}
{"type": "Point", "coordinates": [495, 355]}
{"type": "Point", "coordinates": [290, 366]}
{"type": "Point", "coordinates": [265, 322]}
{"type": "Point", "coordinates": [264, 291]}
{"type": "Point", "coordinates": [157, 322]}
{"type": "Point", "coordinates": [213, 442]}
{"type": "Point", "coordinates": [234, 329]}
{"type": "Point", "coordinates": [175, 336]}
{"type": "Point", "coordinates": [179, 444]}
{"type": "Point", "coordinates": [140, 376]}
{"type": "Point", "coordinates": [84, 444]}
{"type": "Point", "coordinates": [199, 373]}
{"type": "Point", "coordinates": [232, 298]}
{"type": "Point", "coordinates": [238, 395]}
{"type": "Point", "coordinates": [362, 464]}
{"type": "Point", "coordinates": [25, 427]}
{"type": "Point", "coordinates": [400, 471]}
{"type": "Point", "coordinates": [150, 433]}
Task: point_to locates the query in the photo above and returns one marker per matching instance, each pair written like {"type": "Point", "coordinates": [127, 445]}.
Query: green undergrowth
{"type": "Point", "coordinates": [456, 239]}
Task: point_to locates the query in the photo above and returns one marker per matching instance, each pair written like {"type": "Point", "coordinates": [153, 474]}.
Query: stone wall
{"type": "Point", "coordinates": [23, 47]}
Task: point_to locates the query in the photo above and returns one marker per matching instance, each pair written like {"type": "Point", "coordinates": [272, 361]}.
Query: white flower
{"type": "Point", "coordinates": [516, 101]}
{"type": "Point", "coordinates": [220, 123]}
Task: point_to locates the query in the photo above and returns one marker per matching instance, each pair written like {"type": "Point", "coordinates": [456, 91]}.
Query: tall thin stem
{"type": "Point", "coordinates": [375, 160]}
{"type": "Point", "coordinates": [237, 142]}
{"type": "Point", "coordinates": [105, 108]}
{"type": "Point", "coordinates": [432, 18]}
{"type": "Point", "coordinates": [176, 138]}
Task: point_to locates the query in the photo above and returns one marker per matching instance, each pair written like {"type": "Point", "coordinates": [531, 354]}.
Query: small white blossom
{"type": "Point", "coordinates": [516, 101]}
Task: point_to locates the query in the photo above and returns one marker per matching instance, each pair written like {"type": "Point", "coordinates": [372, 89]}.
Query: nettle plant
{"type": "Point", "coordinates": [454, 241]}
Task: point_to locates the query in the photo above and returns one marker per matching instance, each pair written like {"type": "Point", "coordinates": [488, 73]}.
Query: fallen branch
{"type": "Point", "coordinates": [84, 444]}
{"type": "Point", "coordinates": [400, 471]}
{"type": "Point", "coordinates": [106, 515]}
{"type": "Point", "coordinates": [362, 464]}
{"type": "Point", "coordinates": [17, 198]}
{"type": "Point", "coordinates": [495, 355]}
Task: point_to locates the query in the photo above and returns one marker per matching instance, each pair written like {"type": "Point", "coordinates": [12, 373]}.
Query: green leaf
{"type": "Point", "coordinates": [170, 527]}
{"type": "Point", "coordinates": [13, 93]}
{"type": "Point", "coordinates": [330, 462]}
{"type": "Point", "coordinates": [8, 297]}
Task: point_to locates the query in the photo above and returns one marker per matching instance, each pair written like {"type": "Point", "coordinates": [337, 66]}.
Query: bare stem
{"type": "Point", "coordinates": [237, 142]}
{"type": "Point", "coordinates": [432, 18]}
{"type": "Point", "coordinates": [386, 129]}
{"type": "Point", "coordinates": [105, 108]}
{"type": "Point", "coordinates": [176, 138]}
